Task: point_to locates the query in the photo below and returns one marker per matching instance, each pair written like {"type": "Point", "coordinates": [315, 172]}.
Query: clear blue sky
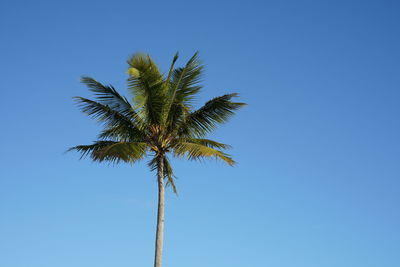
{"type": "Point", "coordinates": [318, 179]}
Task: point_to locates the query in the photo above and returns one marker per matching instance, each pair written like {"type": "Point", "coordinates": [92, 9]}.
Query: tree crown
{"type": "Point", "coordinates": [159, 120]}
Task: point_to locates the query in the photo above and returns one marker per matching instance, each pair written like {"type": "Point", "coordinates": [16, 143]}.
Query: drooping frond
{"type": "Point", "coordinates": [169, 174]}
{"type": "Point", "coordinates": [216, 111]}
{"type": "Point", "coordinates": [147, 85]}
{"type": "Point", "coordinates": [198, 151]}
{"type": "Point", "coordinates": [167, 171]}
{"type": "Point", "coordinates": [113, 151]}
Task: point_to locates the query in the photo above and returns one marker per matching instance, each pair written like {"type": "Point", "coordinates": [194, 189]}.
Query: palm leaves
{"type": "Point", "coordinates": [160, 118]}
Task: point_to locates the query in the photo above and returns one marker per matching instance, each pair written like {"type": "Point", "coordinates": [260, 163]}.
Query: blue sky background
{"type": "Point", "coordinates": [317, 182]}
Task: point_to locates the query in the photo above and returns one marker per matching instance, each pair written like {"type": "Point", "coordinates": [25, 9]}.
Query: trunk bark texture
{"type": "Point", "coordinates": [160, 213]}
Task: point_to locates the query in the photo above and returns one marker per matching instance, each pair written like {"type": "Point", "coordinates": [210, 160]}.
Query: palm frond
{"type": "Point", "coordinates": [169, 174]}
{"type": "Point", "coordinates": [122, 133]}
{"type": "Point", "coordinates": [171, 68]}
{"type": "Point", "coordinates": [185, 81]}
{"type": "Point", "coordinates": [216, 111]}
{"type": "Point", "coordinates": [204, 142]}
{"type": "Point", "coordinates": [147, 85]}
{"type": "Point", "coordinates": [182, 90]}
{"type": "Point", "coordinates": [107, 95]}
{"type": "Point", "coordinates": [113, 151]}
{"type": "Point", "coordinates": [105, 114]}
{"type": "Point", "coordinates": [167, 171]}
{"type": "Point", "coordinates": [198, 151]}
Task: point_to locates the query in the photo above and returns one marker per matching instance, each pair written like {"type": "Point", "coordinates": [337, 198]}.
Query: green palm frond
{"type": "Point", "coordinates": [122, 133]}
{"type": "Point", "coordinates": [171, 68]}
{"type": "Point", "coordinates": [216, 111]}
{"type": "Point", "coordinates": [169, 174]}
{"type": "Point", "coordinates": [88, 150]}
{"type": "Point", "coordinates": [198, 151]}
{"type": "Point", "coordinates": [113, 151]}
{"type": "Point", "coordinates": [204, 142]}
{"type": "Point", "coordinates": [147, 85]}
{"type": "Point", "coordinates": [185, 81]}
{"type": "Point", "coordinates": [104, 114]}
{"type": "Point", "coordinates": [107, 95]}
{"type": "Point", "coordinates": [182, 90]}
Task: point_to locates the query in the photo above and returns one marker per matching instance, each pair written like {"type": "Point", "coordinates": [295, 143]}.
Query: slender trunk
{"type": "Point", "coordinates": [160, 213]}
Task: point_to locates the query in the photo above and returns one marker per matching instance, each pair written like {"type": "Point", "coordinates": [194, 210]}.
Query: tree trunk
{"type": "Point", "coordinates": [160, 213]}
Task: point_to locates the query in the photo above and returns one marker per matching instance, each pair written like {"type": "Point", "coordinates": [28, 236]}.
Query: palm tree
{"type": "Point", "coordinates": [160, 120]}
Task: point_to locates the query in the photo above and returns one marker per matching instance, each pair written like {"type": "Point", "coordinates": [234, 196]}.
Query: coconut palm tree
{"type": "Point", "coordinates": [160, 120]}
